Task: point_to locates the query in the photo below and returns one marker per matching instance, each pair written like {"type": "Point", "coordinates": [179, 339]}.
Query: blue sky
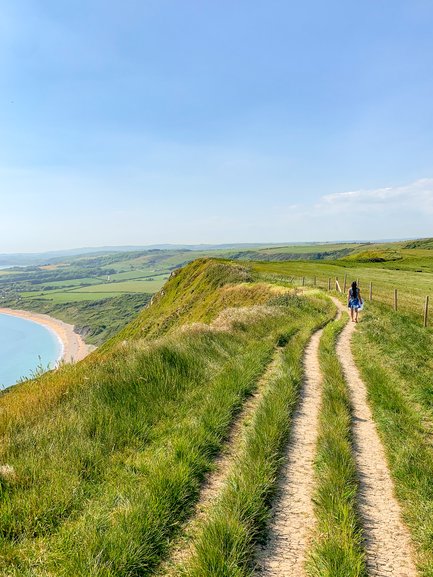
{"type": "Point", "coordinates": [144, 122]}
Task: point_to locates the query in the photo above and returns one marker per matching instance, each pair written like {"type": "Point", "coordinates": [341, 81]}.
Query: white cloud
{"type": "Point", "coordinates": [415, 197]}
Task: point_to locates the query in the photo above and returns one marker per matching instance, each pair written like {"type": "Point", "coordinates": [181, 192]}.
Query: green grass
{"type": "Point", "coordinates": [65, 297]}
{"type": "Point", "coordinates": [395, 357]}
{"type": "Point", "coordinates": [309, 248]}
{"type": "Point", "coordinates": [131, 286]}
{"type": "Point", "coordinates": [412, 286]}
{"type": "Point", "coordinates": [54, 285]}
{"type": "Point", "coordinates": [139, 274]}
{"type": "Point", "coordinates": [225, 545]}
{"type": "Point", "coordinates": [108, 455]}
{"type": "Point", "coordinates": [337, 549]}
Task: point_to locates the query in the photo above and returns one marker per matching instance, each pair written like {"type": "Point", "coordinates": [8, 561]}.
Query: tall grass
{"type": "Point", "coordinates": [225, 543]}
{"type": "Point", "coordinates": [337, 549]}
{"type": "Point", "coordinates": [401, 395]}
{"type": "Point", "coordinates": [102, 476]}
{"type": "Point", "coordinates": [103, 480]}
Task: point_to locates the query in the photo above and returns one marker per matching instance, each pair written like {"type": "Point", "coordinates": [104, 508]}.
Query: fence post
{"type": "Point", "coordinates": [371, 291]}
{"type": "Point", "coordinates": [329, 284]}
{"type": "Point", "coordinates": [426, 312]}
{"type": "Point", "coordinates": [345, 283]}
{"type": "Point", "coordinates": [303, 281]}
{"type": "Point", "coordinates": [315, 281]}
{"type": "Point", "coordinates": [395, 299]}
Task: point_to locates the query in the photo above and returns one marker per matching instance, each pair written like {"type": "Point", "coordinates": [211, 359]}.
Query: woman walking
{"type": "Point", "coordinates": [354, 301]}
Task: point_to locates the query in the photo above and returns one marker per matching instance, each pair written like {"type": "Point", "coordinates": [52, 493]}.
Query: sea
{"type": "Point", "coordinates": [26, 348]}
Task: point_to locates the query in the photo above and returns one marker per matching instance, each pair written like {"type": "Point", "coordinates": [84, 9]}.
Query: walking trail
{"type": "Point", "coordinates": [387, 540]}
{"type": "Point", "coordinates": [293, 518]}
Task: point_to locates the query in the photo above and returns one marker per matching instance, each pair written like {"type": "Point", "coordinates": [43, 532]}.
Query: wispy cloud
{"type": "Point", "coordinates": [416, 197]}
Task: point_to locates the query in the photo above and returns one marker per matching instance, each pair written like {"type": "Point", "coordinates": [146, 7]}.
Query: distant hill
{"type": "Point", "coordinates": [24, 259]}
{"type": "Point", "coordinates": [48, 257]}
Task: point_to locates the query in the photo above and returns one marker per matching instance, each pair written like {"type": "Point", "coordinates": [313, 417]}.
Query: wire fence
{"type": "Point", "coordinates": [411, 302]}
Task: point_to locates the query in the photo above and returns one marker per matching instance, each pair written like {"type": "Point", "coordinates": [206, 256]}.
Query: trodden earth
{"type": "Point", "coordinates": [386, 539]}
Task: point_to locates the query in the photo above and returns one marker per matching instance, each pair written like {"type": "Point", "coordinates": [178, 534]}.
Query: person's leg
{"type": "Point", "coordinates": [351, 313]}
{"type": "Point", "coordinates": [356, 315]}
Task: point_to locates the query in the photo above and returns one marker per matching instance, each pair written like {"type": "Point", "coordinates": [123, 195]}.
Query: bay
{"type": "Point", "coordinates": [25, 347]}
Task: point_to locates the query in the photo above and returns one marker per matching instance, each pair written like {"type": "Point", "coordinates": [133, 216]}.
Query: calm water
{"type": "Point", "coordinates": [24, 345]}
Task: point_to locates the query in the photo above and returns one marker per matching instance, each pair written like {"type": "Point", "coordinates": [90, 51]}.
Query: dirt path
{"type": "Point", "coordinates": [292, 524]}
{"type": "Point", "coordinates": [215, 480]}
{"type": "Point", "coordinates": [388, 546]}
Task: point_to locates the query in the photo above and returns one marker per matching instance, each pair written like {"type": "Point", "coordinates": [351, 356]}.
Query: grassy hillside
{"type": "Point", "coordinates": [114, 283]}
{"type": "Point", "coordinates": [102, 461]}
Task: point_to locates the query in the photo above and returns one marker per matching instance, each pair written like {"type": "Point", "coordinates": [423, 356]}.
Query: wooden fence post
{"type": "Point", "coordinates": [345, 283]}
{"type": "Point", "coordinates": [426, 312]}
{"type": "Point", "coordinates": [395, 299]}
{"type": "Point", "coordinates": [303, 281]}
{"type": "Point", "coordinates": [371, 291]}
{"type": "Point", "coordinates": [315, 281]}
{"type": "Point", "coordinates": [329, 284]}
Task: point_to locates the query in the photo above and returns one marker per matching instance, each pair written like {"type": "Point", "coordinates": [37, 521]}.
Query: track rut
{"type": "Point", "coordinates": [387, 540]}
{"type": "Point", "coordinates": [293, 516]}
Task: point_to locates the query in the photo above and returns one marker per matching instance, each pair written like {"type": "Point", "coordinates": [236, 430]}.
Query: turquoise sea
{"type": "Point", "coordinates": [25, 346]}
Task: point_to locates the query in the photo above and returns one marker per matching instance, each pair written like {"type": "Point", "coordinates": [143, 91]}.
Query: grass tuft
{"type": "Point", "coordinates": [337, 549]}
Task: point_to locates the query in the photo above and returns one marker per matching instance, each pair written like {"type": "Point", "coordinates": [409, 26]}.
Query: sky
{"type": "Point", "coordinates": [214, 121]}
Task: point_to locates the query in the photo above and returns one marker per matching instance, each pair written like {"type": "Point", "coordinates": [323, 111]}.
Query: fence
{"type": "Point", "coordinates": [400, 300]}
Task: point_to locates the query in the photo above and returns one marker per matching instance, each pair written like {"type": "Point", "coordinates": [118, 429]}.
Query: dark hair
{"type": "Point", "coordinates": [354, 289]}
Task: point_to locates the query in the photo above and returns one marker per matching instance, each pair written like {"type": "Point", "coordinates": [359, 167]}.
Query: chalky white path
{"type": "Point", "coordinates": [387, 540]}
{"type": "Point", "coordinates": [290, 531]}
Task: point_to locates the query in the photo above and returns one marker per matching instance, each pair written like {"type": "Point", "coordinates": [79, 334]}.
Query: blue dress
{"type": "Point", "coordinates": [354, 302]}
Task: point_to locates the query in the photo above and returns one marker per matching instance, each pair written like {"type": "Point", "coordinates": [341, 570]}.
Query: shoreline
{"type": "Point", "coordinates": [73, 347]}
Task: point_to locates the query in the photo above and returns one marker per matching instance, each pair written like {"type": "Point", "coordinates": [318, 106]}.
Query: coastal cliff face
{"type": "Point", "coordinates": [83, 331]}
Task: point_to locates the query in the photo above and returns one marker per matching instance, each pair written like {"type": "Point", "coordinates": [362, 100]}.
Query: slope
{"type": "Point", "coordinates": [101, 462]}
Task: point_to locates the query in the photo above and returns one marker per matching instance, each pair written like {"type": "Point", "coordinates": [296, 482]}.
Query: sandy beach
{"type": "Point", "coordinates": [74, 348]}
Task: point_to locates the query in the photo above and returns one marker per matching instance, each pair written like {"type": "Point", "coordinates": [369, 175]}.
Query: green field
{"type": "Point", "coordinates": [412, 282]}
{"type": "Point", "coordinates": [68, 296]}
{"type": "Point", "coordinates": [132, 286]}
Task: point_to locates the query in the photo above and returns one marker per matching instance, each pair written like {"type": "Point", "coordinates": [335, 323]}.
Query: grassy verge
{"type": "Point", "coordinates": [337, 550]}
{"type": "Point", "coordinates": [225, 544]}
{"type": "Point", "coordinates": [401, 395]}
